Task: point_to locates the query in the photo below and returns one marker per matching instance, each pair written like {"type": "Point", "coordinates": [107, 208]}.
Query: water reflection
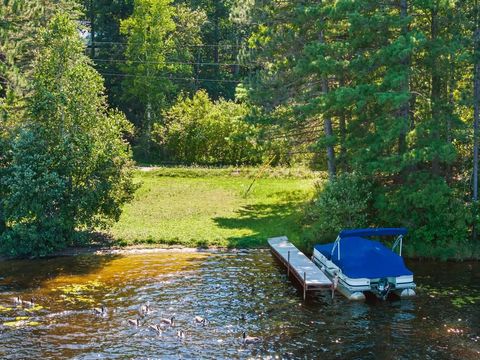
{"type": "Point", "coordinates": [235, 292]}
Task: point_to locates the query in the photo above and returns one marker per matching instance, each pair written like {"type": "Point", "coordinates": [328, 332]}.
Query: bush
{"type": "Point", "coordinates": [340, 204]}
{"type": "Point", "coordinates": [200, 131]}
{"type": "Point", "coordinates": [429, 208]}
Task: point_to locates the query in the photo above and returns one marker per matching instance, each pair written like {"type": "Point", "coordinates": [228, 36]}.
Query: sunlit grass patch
{"type": "Point", "coordinates": [212, 210]}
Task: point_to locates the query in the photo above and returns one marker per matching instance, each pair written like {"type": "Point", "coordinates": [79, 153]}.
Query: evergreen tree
{"type": "Point", "coordinates": [106, 46]}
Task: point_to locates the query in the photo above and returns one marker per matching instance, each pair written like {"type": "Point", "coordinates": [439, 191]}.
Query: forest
{"type": "Point", "coordinates": [382, 96]}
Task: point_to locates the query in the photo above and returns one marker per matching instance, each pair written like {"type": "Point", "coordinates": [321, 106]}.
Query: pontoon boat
{"type": "Point", "coordinates": [357, 264]}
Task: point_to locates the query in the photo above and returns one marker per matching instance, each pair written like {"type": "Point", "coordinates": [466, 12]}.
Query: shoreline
{"type": "Point", "coordinates": [137, 249]}
{"type": "Point", "coordinates": [159, 248]}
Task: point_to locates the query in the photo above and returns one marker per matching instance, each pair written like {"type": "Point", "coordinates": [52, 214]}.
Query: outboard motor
{"type": "Point", "coordinates": [383, 288]}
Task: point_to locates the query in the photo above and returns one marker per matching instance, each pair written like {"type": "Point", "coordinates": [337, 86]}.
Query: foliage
{"type": "Point", "coordinates": [156, 32]}
{"type": "Point", "coordinates": [382, 89]}
{"type": "Point", "coordinates": [218, 68]}
{"type": "Point", "coordinates": [198, 130]}
{"type": "Point", "coordinates": [340, 204]}
{"type": "Point", "coordinates": [430, 208]}
{"type": "Point", "coordinates": [107, 45]}
{"type": "Point", "coordinates": [398, 92]}
{"type": "Point", "coordinates": [70, 168]}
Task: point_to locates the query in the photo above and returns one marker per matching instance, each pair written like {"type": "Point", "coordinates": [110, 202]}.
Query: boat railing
{"type": "Point", "coordinates": [336, 245]}
{"type": "Point", "coordinates": [398, 242]}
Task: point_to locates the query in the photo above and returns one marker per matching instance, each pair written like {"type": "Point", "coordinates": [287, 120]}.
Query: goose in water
{"type": "Point", "coordinates": [30, 303]}
{"type": "Point", "coordinates": [250, 339]}
{"type": "Point", "coordinates": [181, 334]}
{"type": "Point", "coordinates": [157, 328]}
{"type": "Point", "coordinates": [101, 311]}
{"type": "Point", "coordinates": [169, 322]}
{"type": "Point", "coordinates": [19, 301]}
{"type": "Point", "coordinates": [134, 322]}
{"type": "Point", "coordinates": [145, 309]}
{"type": "Point", "coordinates": [200, 320]}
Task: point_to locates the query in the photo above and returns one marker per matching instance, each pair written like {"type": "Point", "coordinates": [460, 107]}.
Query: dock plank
{"type": "Point", "coordinates": [299, 263]}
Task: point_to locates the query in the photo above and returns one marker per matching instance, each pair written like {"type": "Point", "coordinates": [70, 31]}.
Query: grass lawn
{"type": "Point", "coordinates": [208, 208]}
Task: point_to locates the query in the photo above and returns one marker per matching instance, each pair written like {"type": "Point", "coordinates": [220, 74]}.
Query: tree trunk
{"type": "Point", "coordinates": [476, 109]}
{"type": "Point", "coordinates": [435, 94]}
{"type": "Point", "coordinates": [342, 124]}
{"type": "Point", "coordinates": [92, 29]}
{"type": "Point", "coordinates": [451, 111]}
{"type": "Point", "coordinates": [327, 124]}
{"type": "Point", "coordinates": [216, 34]}
{"type": "Point", "coordinates": [405, 107]}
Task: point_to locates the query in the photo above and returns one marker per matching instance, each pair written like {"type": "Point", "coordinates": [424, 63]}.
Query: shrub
{"type": "Point", "coordinates": [199, 131]}
{"type": "Point", "coordinates": [430, 209]}
{"type": "Point", "coordinates": [339, 204]}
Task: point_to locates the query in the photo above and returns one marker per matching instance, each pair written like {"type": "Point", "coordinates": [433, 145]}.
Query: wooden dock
{"type": "Point", "coordinates": [304, 270]}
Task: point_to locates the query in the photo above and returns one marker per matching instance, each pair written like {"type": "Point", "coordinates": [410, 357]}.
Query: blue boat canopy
{"type": "Point", "coordinates": [364, 258]}
{"type": "Point", "coordinates": [373, 232]}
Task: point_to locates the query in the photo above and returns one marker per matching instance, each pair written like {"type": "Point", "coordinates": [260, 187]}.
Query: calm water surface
{"type": "Point", "coordinates": [442, 322]}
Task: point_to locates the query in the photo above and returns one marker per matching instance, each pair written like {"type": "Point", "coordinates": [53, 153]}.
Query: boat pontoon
{"type": "Point", "coordinates": [357, 264]}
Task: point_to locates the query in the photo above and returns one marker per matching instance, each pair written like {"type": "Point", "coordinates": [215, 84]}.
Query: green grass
{"type": "Point", "coordinates": [198, 207]}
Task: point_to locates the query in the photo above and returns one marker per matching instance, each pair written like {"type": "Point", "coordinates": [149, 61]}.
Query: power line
{"type": "Point", "coordinates": [171, 78]}
{"type": "Point", "coordinates": [166, 62]}
{"type": "Point", "coordinates": [186, 45]}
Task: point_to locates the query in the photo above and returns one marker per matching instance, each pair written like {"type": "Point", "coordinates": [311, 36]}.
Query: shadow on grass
{"type": "Point", "coordinates": [265, 220]}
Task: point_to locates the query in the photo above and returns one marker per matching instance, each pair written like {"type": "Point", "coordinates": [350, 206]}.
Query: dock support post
{"type": "Point", "coordinates": [304, 285]}
{"type": "Point", "coordinates": [288, 264]}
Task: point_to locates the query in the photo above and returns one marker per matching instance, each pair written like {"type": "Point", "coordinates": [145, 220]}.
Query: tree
{"type": "Point", "coordinates": [156, 58]}
{"type": "Point", "coordinates": [107, 44]}
{"type": "Point", "coordinates": [70, 169]}
{"type": "Point", "coordinates": [476, 105]}
{"type": "Point", "coordinates": [20, 29]}
{"type": "Point", "coordinates": [391, 79]}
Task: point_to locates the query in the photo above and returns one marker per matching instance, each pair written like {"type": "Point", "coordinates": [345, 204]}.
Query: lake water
{"type": "Point", "coordinates": [236, 292]}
